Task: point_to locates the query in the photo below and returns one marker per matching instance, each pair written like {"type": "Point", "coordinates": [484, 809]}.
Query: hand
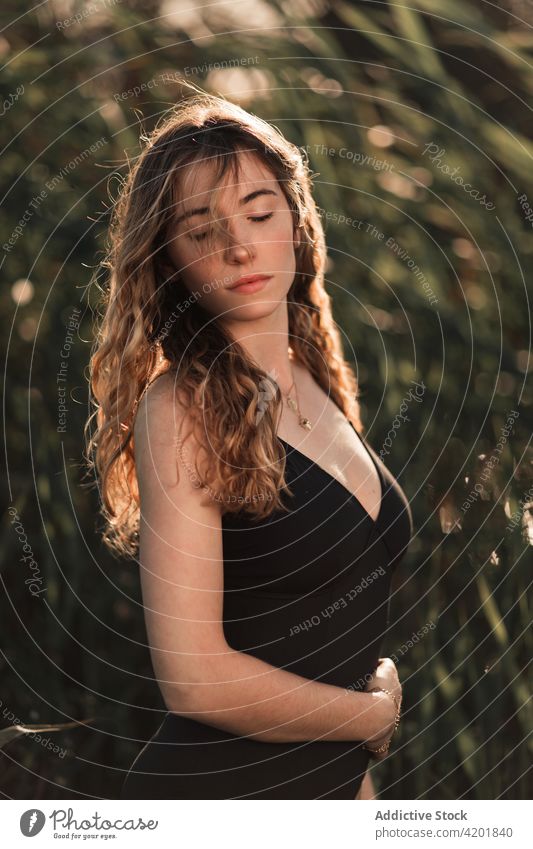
{"type": "Point", "coordinates": [386, 676]}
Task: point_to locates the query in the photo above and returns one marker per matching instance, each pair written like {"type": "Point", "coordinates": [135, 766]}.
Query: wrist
{"type": "Point", "coordinates": [391, 704]}
{"type": "Point", "coordinates": [395, 699]}
{"type": "Point", "coordinates": [384, 715]}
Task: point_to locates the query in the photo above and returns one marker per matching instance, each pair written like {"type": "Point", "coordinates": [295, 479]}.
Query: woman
{"type": "Point", "coordinates": [230, 459]}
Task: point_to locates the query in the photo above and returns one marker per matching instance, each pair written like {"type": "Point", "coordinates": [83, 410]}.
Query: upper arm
{"type": "Point", "coordinates": [180, 549]}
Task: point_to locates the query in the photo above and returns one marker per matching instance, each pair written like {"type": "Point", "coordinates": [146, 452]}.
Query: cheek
{"type": "Point", "coordinates": [280, 234]}
{"type": "Point", "coordinates": [276, 248]}
{"type": "Point", "coordinates": [204, 277]}
{"type": "Point", "coordinates": [196, 269]}
{"type": "Point", "coordinates": [283, 246]}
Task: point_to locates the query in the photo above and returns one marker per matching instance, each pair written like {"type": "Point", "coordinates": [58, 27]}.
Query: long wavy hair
{"type": "Point", "coordinates": [140, 332]}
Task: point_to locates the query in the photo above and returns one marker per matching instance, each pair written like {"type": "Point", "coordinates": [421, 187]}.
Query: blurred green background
{"type": "Point", "coordinates": [395, 105]}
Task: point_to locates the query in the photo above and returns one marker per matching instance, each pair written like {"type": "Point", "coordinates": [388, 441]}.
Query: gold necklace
{"type": "Point", "coordinates": [294, 405]}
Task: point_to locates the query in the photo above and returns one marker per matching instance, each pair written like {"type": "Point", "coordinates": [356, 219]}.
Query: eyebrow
{"type": "Point", "coordinates": [246, 199]}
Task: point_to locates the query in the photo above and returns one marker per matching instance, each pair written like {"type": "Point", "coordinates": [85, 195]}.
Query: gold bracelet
{"type": "Point", "coordinates": [380, 750]}
{"type": "Point", "coordinates": [385, 746]}
{"type": "Point", "coordinates": [393, 697]}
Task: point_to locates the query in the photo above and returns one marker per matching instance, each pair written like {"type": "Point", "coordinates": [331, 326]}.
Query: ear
{"type": "Point", "coordinates": [296, 237]}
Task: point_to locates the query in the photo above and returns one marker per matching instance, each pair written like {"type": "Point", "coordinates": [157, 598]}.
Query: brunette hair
{"type": "Point", "coordinates": [140, 331]}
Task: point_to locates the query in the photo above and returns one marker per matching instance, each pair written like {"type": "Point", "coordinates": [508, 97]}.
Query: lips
{"type": "Point", "coordinates": [249, 278]}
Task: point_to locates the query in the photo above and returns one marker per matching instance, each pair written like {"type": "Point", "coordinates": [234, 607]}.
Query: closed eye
{"type": "Point", "coordinates": [255, 219]}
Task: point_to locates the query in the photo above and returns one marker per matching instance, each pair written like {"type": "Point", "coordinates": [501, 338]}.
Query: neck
{"type": "Point", "coordinates": [266, 341]}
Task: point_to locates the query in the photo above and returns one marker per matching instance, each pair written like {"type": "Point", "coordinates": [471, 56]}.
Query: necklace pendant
{"type": "Point", "coordinates": [292, 404]}
{"type": "Point", "coordinates": [305, 423]}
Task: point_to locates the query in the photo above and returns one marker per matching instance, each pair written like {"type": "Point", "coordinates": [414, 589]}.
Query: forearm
{"type": "Point", "coordinates": [249, 697]}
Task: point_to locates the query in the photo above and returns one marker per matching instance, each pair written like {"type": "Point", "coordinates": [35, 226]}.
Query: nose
{"type": "Point", "coordinates": [238, 249]}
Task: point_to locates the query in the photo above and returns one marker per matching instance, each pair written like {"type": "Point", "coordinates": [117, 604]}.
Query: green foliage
{"type": "Point", "coordinates": [430, 285]}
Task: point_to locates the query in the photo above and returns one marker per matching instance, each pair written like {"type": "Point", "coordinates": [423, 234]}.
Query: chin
{"type": "Point", "coordinates": [253, 311]}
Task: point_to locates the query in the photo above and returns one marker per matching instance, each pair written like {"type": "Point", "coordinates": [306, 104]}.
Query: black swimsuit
{"type": "Point", "coordinates": [307, 591]}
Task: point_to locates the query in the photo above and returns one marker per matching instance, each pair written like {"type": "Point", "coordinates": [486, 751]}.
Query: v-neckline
{"type": "Point", "coordinates": [352, 495]}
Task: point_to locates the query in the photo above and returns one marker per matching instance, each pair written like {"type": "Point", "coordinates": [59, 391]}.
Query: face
{"type": "Point", "coordinates": [258, 240]}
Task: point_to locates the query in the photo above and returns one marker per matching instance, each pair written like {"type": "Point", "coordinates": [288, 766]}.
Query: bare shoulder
{"type": "Point", "coordinates": [161, 423]}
